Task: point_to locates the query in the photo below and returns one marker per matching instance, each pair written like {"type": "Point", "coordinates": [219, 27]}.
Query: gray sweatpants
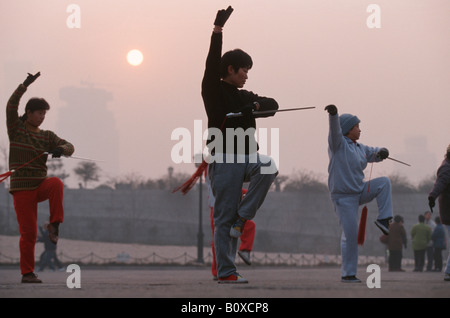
{"type": "Point", "coordinates": [346, 207]}
{"type": "Point", "coordinates": [227, 180]}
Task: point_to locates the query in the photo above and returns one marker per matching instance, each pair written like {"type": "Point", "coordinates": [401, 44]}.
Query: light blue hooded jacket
{"type": "Point", "coordinates": [348, 160]}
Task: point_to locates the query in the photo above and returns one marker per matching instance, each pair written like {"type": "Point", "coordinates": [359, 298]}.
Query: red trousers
{"type": "Point", "coordinates": [247, 239]}
{"type": "Point", "coordinates": [26, 206]}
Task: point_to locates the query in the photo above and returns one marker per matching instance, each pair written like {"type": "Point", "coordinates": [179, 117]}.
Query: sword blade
{"type": "Point", "coordinates": [78, 158]}
{"type": "Point", "coordinates": [404, 163]}
{"type": "Point", "coordinates": [263, 112]}
{"type": "Point", "coordinates": [85, 159]}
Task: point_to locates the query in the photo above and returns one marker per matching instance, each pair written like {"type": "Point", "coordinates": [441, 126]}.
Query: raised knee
{"type": "Point", "coordinates": [386, 181]}
{"type": "Point", "coordinates": [56, 182]}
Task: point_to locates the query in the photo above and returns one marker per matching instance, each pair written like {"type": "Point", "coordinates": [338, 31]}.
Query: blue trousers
{"type": "Point", "coordinates": [346, 208]}
{"type": "Point", "coordinates": [226, 183]}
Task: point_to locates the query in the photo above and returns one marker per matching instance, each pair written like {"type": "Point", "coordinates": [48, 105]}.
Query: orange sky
{"type": "Point", "coordinates": [306, 53]}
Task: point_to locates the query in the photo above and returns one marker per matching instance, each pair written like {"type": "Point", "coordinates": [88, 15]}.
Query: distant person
{"type": "Point", "coordinates": [48, 256]}
{"type": "Point", "coordinates": [439, 244]}
{"type": "Point", "coordinates": [29, 182]}
{"type": "Point", "coordinates": [441, 190]}
{"type": "Point", "coordinates": [420, 237]}
{"type": "Point", "coordinates": [430, 249]}
{"type": "Point", "coordinates": [348, 159]}
{"type": "Point", "coordinates": [396, 241]}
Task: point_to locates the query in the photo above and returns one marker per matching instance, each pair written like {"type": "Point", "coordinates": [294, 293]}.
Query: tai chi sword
{"type": "Point", "coordinates": [78, 158]}
{"type": "Point", "coordinates": [264, 112]}
{"type": "Point", "coordinates": [404, 163]}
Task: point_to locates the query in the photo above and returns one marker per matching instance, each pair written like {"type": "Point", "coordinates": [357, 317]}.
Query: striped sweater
{"type": "Point", "coordinates": [25, 145]}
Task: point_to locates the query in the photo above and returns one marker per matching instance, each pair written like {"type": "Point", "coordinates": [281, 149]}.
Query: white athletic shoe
{"type": "Point", "coordinates": [233, 279]}
{"type": "Point", "coordinates": [245, 255]}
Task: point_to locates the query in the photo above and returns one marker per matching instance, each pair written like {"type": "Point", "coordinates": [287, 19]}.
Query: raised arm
{"type": "Point", "coordinates": [335, 133]}
{"type": "Point", "coordinates": [211, 77]}
{"type": "Point", "coordinates": [12, 114]}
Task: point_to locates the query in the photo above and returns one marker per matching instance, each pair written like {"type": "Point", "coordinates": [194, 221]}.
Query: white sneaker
{"type": "Point", "coordinates": [233, 279]}
{"type": "Point", "coordinates": [245, 255]}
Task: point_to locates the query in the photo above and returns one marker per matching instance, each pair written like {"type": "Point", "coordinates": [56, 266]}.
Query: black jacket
{"type": "Point", "coordinates": [441, 189]}
{"type": "Point", "coordinates": [221, 98]}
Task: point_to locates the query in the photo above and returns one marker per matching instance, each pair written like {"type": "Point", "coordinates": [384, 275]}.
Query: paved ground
{"type": "Point", "coordinates": [175, 288]}
{"type": "Point", "coordinates": [196, 282]}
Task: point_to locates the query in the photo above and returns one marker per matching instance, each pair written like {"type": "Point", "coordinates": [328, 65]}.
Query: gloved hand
{"type": "Point", "coordinates": [248, 109]}
{"type": "Point", "coordinates": [56, 153]}
{"type": "Point", "coordinates": [431, 203]}
{"type": "Point", "coordinates": [383, 153]}
{"type": "Point", "coordinates": [31, 78]}
{"type": "Point", "coordinates": [222, 16]}
{"type": "Point", "coordinates": [331, 109]}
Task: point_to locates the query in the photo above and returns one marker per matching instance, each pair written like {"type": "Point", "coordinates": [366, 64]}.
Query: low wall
{"type": "Point", "coordinates": [287, 222]}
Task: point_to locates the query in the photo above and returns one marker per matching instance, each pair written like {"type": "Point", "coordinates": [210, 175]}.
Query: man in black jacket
{"type": "Point", "coordinates": [233, 148]}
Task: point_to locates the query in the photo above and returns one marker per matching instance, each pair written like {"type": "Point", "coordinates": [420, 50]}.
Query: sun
{"type": "Point", "coordinates": [135, 57]}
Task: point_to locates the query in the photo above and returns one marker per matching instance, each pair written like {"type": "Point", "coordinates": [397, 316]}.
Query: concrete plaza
{"type": "Point", "coordinates": [193, 282]}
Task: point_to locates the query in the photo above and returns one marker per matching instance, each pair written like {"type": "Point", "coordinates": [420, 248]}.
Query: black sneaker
{"type": "Point", "coordinates": [383, 225]}
{"type": "Point", "coordinates": [447, 277]}
{"type": "Point", "coordinates": [350, 279]}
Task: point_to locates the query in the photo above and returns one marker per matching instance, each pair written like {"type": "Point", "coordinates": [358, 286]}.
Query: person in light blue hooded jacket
{"type": "Point", "coordinates": [348, 190]}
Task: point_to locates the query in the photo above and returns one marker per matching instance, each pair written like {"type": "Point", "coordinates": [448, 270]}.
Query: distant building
{"type": "Point", "coordinates": [87, 122]}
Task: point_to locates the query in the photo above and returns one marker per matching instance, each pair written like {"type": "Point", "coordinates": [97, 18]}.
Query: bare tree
{"type": "Point", "coordinates": [401, 184]}
{"type": "Point", "coordinates": [4, 161]}
{"type": "Point", "coordinates": [426, 184]}
{"type": "Point", "coordinates": [305, 181]}
{"type": "Point", "coordinates": [136, 181]}
{"type": "Point", "coordinates": [132, 180]}
{"type": "Point", "coordinates": [278, 181]}
{"type": "Point", "coordinates": [87, 172]}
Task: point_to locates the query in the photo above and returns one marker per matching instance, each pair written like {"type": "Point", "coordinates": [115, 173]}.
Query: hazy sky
{"type": "Point", "coordinates": [306, 53]}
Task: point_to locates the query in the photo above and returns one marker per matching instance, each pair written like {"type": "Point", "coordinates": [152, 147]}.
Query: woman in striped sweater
{"type": "Point", "coordinates": [28, 149]}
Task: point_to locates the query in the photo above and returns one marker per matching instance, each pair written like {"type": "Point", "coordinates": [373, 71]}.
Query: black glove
{"type": "Point", "coordinates": [331, 109]}
{"type": "Point", "coordinates": [383, 153]}
{"type": "Point", "coordinates": [31, 78]}
{"type": "Point", "coordinates": [56, 153]}
{"type": "Point", "coordinates": [222, 16]}
{"type": "Point", "coordinates": [248, 109]}
{"type": "Point", "coordinates": [431, 203]}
